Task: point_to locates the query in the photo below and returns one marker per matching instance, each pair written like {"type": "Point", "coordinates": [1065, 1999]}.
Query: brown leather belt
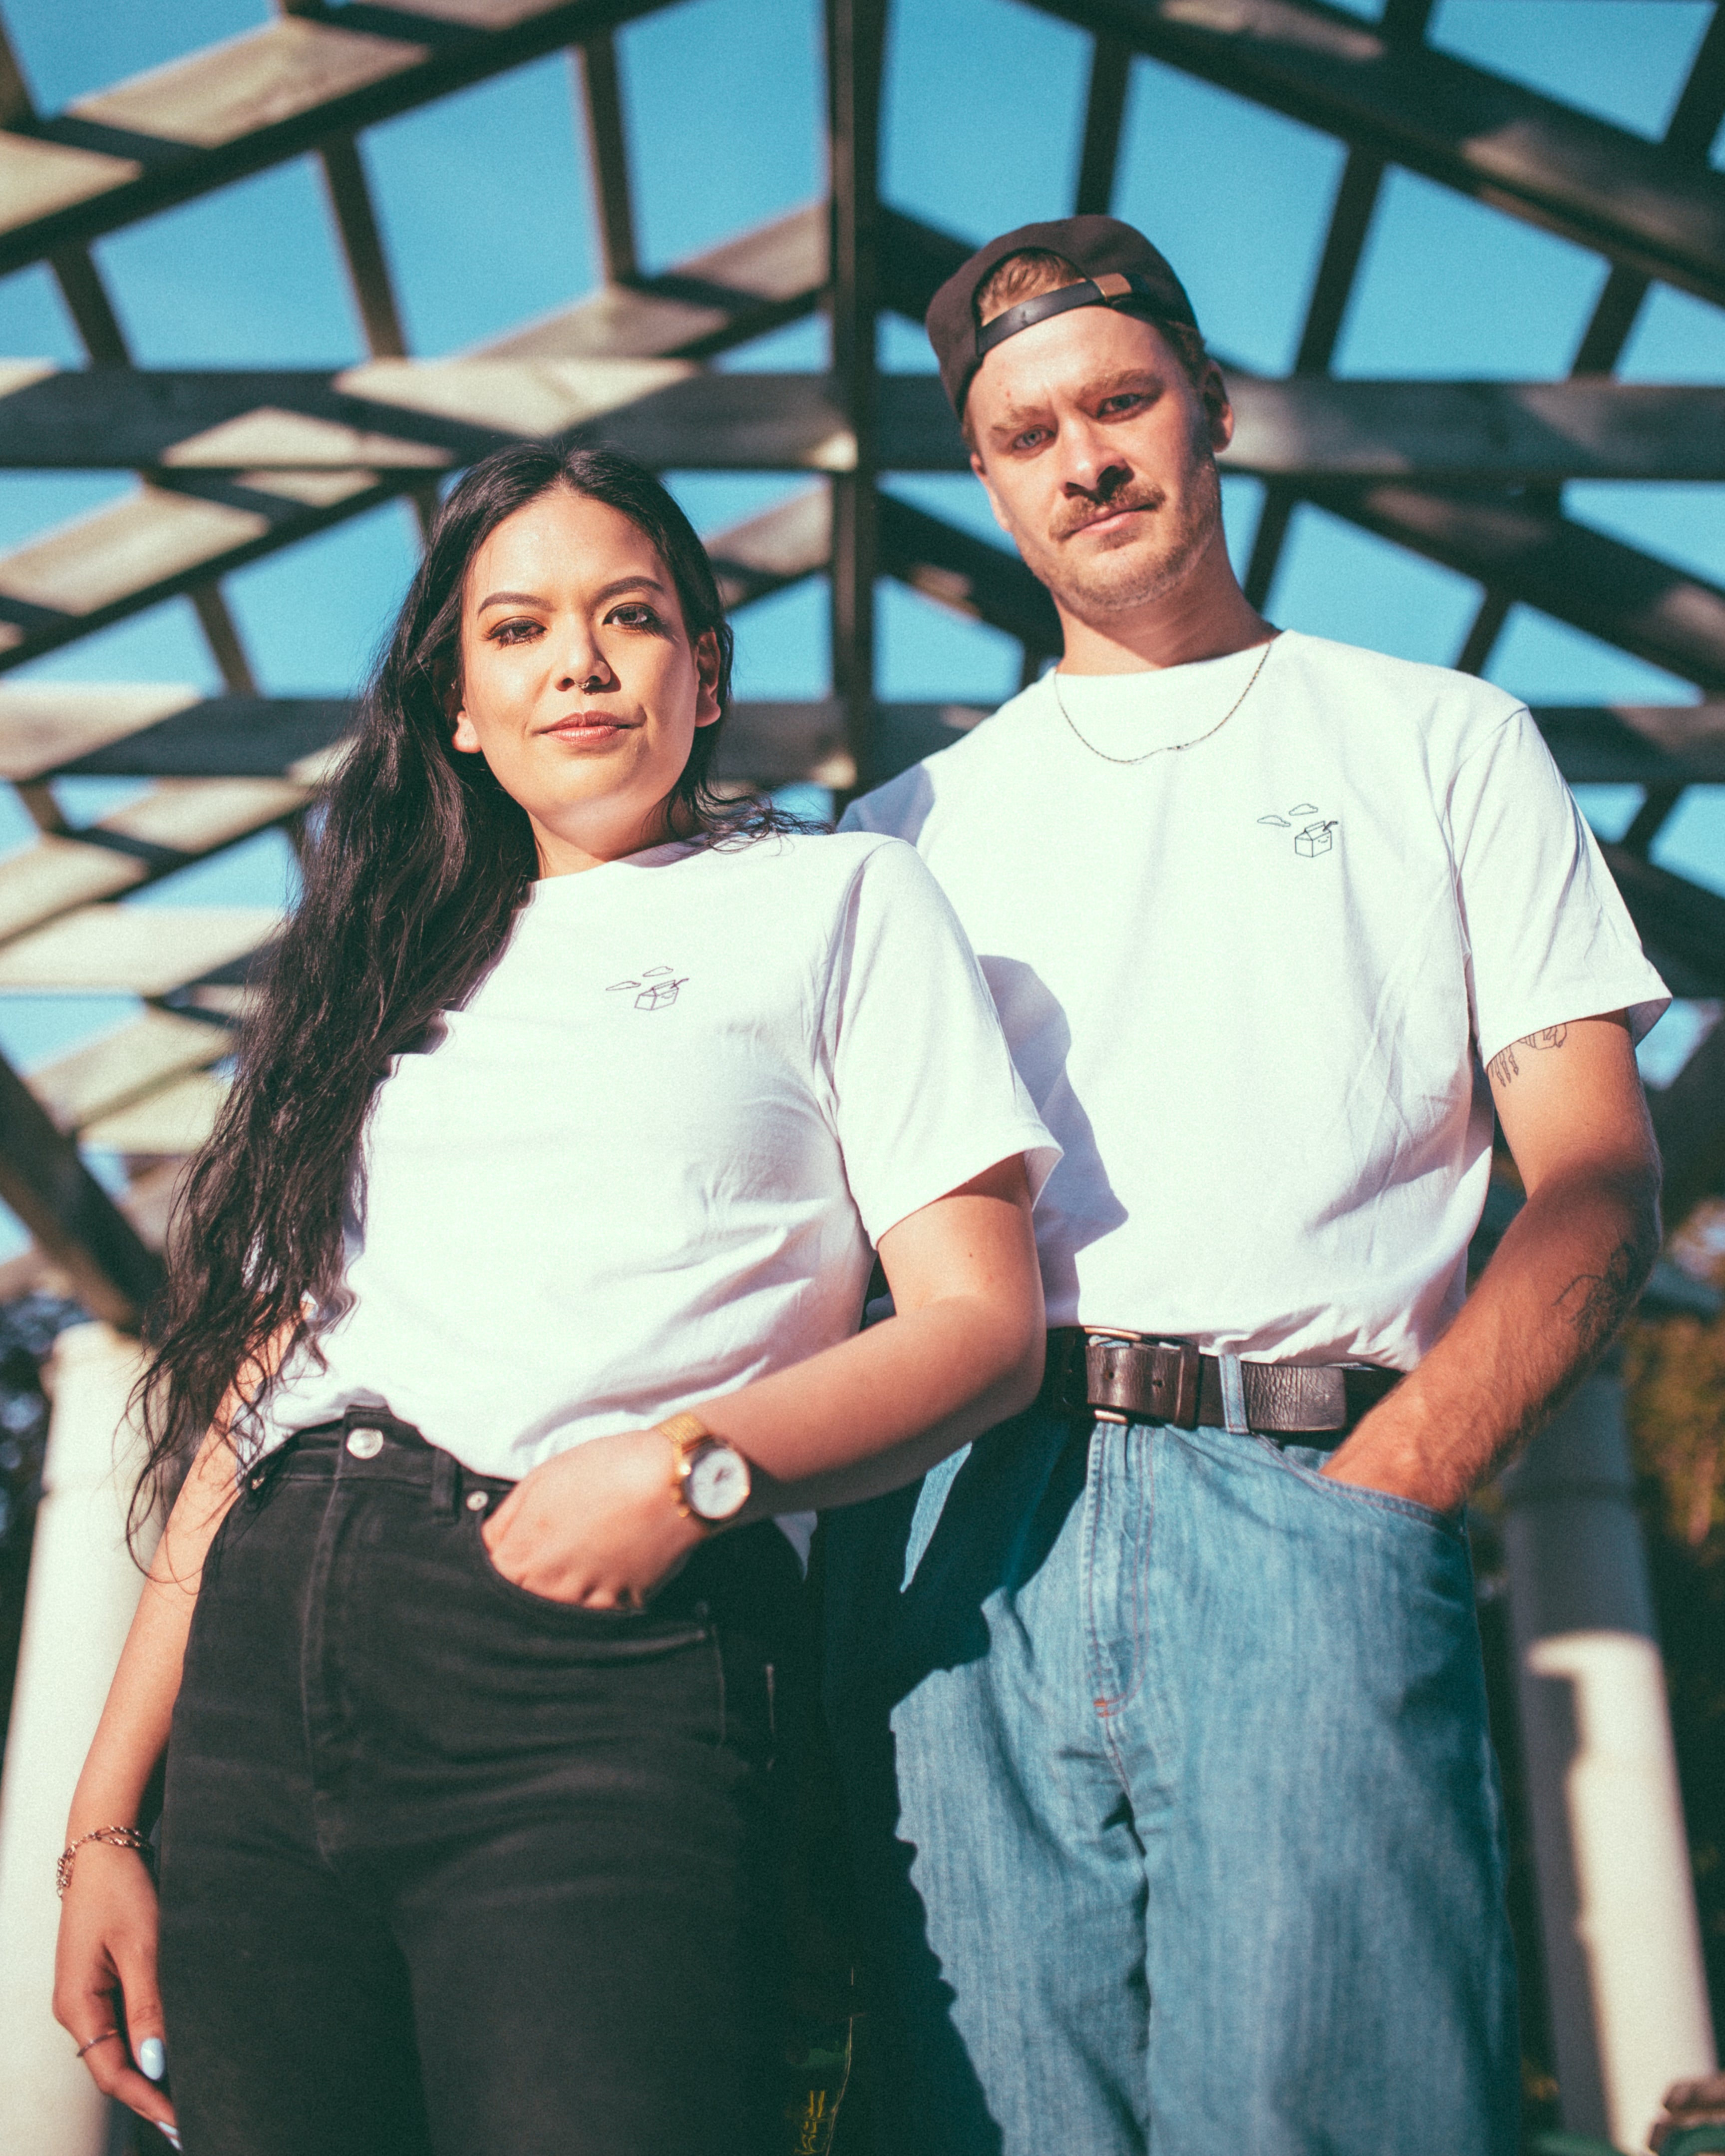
{"type": "Point", "coordinates": [1132, 1376]}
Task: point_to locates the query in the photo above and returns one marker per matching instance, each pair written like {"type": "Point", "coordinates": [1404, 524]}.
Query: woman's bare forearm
{"type": "Point", "coordinates": [876, 1411]}
{"type": "Point", "coordinates": [132, 1733]}
{"type": "Point", "coordinates": [596, 1524]}
{"type": "Point", "coordinates": [964, 1351]}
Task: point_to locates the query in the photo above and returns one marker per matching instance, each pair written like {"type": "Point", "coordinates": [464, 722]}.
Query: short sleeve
{"type": "Point", "coordinates": [1549, 937]}
{"type": "Point", "coordinates": [924, 1092]}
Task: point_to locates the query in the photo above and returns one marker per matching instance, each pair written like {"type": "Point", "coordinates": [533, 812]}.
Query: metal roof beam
{"type": "Point", "coordinates": [1537, 557]}
{"type": "Point", "coordinates": [1640, 202]}
{"type": "Point", "coordinates": [608, 155]}
{"type": "Point", "coordinates": [236, 108]}
{"type": "Point", "coordinates": [1350, 222]}
{"type": "Point", "coordinates": [1689, 1122]}
{"type": "Point", "coordinates": [1694, 122]}
{"type": "Point", "coordinates": [104, 339]}
{"type": "Point", "coordinates": [1312, 429]}
{"type": "Point", "coordinates": [856, 44]}
{"type": "Point", "coordinates": [251, 102]}
{"type": "Point", "coordinates": [1104, 118]}
{"type": "Point", "coordinates": [1683, 926]}
{"type": "Point", "coordinates": [45, 1181]}
{"type": "Point", "coordinates": [166, 541]}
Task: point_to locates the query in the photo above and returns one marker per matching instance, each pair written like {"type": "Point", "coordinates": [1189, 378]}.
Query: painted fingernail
{"type": "Point", "coordinates": [170, 2134]}
{"type": "Point", "coordinates": [153, 2060]}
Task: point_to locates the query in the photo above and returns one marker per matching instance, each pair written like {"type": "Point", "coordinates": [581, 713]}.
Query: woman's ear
{"type": "Point", "coordinates": [466, 735]}
{"type": "Point", "coordinates": [707, 675]}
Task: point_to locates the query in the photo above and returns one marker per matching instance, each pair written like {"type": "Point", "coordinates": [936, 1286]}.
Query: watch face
{"type": "Point", "coordinates": [717, 1486]}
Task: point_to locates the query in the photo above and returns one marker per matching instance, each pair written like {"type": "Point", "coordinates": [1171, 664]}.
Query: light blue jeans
{"type": "Point", "coordinates": [1174, 1812]}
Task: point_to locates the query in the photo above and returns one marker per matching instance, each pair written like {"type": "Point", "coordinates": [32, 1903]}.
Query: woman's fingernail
{"type": "Point", "coordinates": [170, 2134]}
{"type": "Point", "coordinates": [153, 2060]}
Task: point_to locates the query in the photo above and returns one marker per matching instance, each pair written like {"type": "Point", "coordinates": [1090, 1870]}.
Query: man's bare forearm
{"type": "Point", "coordinates": [1565, 1276]}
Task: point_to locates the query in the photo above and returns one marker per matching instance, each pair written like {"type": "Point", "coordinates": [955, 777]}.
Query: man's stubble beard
{"type": "Point", "coordinates": [1115, 580]}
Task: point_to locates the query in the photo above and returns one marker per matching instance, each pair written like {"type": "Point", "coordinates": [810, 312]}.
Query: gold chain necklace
{"type": "Point", "coordinates": [1168, 748]}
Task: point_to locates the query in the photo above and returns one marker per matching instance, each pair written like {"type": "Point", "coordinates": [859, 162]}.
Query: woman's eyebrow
{"type": "Point", "coordinates": [606, 591]}
{"type": "Point", "coordinates": [628, 584]}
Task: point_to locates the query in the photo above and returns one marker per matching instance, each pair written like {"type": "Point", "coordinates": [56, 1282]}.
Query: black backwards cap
{"type": "Point", "coordinates": [1118, 266]}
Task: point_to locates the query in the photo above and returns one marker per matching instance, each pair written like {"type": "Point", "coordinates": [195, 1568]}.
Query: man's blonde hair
{"type": "Point", "coordinates": [1037, 269]}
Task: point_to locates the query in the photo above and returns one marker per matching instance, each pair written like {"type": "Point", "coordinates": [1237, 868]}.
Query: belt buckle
{"type": "Point", "coordinates": [1181, 1381]}
{"type": "Point", "coordinates": [1158, 1383]}
{"type": "Point", "coordinates": [1087, 1402]}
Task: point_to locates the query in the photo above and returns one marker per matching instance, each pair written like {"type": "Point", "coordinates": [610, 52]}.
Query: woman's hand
{"type": "Point", "coordinates": [104, 1978]}
{"type": "Point", "coordinates": [599, 1525]}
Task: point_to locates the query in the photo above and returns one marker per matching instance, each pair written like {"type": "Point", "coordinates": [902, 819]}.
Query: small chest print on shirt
{"type": "Point", "coordinates": [656, 990]}
{"type": "Point", "coordinates": [1314, 837]}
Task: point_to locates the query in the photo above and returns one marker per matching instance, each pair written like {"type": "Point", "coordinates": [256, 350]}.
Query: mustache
{"type": "Point", "coordinates": [1128, 497]}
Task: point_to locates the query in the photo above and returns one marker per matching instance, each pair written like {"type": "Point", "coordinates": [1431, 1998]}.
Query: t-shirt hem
{"type": "Point", "coordinates": [1592, 998]}
{"type": "Point", "coordinates": [1041, 1155]}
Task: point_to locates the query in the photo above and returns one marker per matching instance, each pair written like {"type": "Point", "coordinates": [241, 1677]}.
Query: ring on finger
{"type": "Point", "coordinates": [101, 2037]}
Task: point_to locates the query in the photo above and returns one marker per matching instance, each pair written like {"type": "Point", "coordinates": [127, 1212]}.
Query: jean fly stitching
{"type": "Point", "coordinates": [1137, 1440]}
{"type": "Point", "coordinates": [314, 1676]}
{"type": "Point", "coordinates": [1104, 1670]}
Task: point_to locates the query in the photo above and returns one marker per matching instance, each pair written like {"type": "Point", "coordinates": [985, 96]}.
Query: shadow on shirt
{"type": "Point", "coordinates": [1079, 1189]}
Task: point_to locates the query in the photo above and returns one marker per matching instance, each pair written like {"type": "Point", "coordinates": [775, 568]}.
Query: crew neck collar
{"type": "Point", "coordinates": [1112, 721]}
{"type": "Point", "coordinates": [664, 855]}
{"type": "Point", "coordinates": [1139, 680]}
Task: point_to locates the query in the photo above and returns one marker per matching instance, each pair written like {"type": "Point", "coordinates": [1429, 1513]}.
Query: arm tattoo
{"type": "Point", "coordinates": [1503, 1069]}
{"type": "Point", "coordinates": [1597, 1303]}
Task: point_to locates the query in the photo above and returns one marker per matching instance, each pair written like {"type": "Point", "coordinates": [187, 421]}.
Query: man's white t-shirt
{"type": "Point", "coordinates": [1249, 983]}
{"type": "Point", "coordinates": [649, 1162]}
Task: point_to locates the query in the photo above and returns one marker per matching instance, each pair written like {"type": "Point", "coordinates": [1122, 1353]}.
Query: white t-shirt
{"type": "Point", "coordinates": [649, 1162]}
{"type": "Point", "coordinates": [1249, 983]}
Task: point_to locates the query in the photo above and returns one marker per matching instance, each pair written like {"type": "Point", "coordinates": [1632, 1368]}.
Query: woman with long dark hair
{"type": "Point", "coordinates": [510, 1338]}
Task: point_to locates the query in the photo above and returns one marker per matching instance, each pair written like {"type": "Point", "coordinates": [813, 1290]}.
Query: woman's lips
{"type": "Point", "coordinates": [584, 728]}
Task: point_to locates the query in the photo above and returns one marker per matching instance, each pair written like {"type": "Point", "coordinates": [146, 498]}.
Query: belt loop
{"type": "Point", "coordinates": [1234, 1407]}
{"type": "Point", "coordinates": [443, 1483]}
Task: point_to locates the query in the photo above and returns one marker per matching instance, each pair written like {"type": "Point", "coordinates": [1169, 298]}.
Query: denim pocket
{"type": "Point", "coordinates": [1357, 1496]}
{"type": "Point", "coordinates": [641, 1629]}
{"type": "Point", "coordinates": [930, 1503]}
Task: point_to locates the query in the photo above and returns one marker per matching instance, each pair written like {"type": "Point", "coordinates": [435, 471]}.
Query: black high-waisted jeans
{"type": "Point", "coordinates": [447, 1867]}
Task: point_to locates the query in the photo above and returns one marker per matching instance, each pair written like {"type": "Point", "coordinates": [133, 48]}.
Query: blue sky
{"type": "Point", "coordinates": [484, 203]}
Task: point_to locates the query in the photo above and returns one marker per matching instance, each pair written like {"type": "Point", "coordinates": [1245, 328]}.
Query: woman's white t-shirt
{"type": "Point", "coordinates": [649, 1162]}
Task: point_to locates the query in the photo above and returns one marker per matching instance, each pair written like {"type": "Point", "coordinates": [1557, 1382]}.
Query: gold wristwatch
{"type": "Point", "coordinates": [709, 1479]}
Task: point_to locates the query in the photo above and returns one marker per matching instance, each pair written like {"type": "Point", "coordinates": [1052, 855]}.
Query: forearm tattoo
{"type": "Point", "coordinates": [1597, 1303]}
{"type": "Point", "coordinates": [1503, 1069]}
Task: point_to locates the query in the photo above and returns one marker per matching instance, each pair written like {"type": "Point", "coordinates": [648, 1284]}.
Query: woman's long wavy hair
{"type": "Point", "coordinates": [410, 886]}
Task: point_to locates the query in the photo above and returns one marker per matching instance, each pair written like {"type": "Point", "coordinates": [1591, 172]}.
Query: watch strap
{"type": "Point", "coordinates": [686, 1431]}
{"type": "Point", "coordinates": [687, 1434]}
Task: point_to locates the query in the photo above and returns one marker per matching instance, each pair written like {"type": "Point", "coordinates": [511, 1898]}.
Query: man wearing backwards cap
{"type": "Point", "coordinates": [1161, 1706]}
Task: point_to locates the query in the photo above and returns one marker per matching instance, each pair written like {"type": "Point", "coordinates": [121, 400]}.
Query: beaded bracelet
{"type": "Point", "coordinates": [118, 1837]}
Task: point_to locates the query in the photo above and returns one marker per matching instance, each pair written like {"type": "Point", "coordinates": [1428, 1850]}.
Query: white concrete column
{"type": "Point", "coordinates": [83, 1588]}
{"type": "Point", "coordinates": [1624, 1972]}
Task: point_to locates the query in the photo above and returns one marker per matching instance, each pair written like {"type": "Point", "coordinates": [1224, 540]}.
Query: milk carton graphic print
{"type": "Point", "coordinates": [1317, 837]}
{"type": "Point", "coordinates": [656, 990]}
